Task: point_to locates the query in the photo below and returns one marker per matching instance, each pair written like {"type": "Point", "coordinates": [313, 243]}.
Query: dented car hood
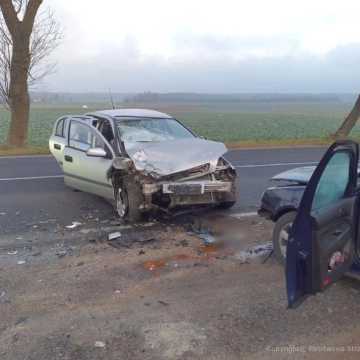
{"type": "Point", "coordinates": [299, 175]}
{"type": "Point", "coordinates": [169, 157]}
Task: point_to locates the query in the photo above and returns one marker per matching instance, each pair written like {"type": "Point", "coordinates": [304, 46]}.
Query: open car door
{"type": "Point", "coordinates": [322, 243]}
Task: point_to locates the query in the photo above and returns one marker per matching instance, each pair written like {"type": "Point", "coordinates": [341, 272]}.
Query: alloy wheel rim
{"type": "Point", "coordinates": [121, 206]}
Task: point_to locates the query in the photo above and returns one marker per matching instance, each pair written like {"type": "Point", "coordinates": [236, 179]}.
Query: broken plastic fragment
{"type": "Point", "coordinates": [74, 225]}
{"type": "Point", "coordinates": [207, 238]}
{"type": "Point", "coordinates": [21, 262]}
{"type": "Point", "coordinates": [255, 252]}
{"type": "Point", "coordinates": [12, 252]}
{"type": "Point", "coordinates": [114, 235]}
{"type": "Point", "coordinates": [100, 344]}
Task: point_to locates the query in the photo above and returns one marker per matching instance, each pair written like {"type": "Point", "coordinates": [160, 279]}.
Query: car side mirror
{"type": "Point", "coordinates": [96, 152]}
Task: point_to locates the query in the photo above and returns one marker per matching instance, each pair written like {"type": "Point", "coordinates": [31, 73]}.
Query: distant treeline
{"type": "Point", "coordinates": [153, 97]}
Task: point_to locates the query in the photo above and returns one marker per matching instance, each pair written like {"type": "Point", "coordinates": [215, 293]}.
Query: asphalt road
{"type": "Point", "coordinates": [32, 189]}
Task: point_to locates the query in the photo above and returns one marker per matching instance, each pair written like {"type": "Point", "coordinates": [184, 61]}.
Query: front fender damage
{"type": "Point", "coordinates": [207, 184]}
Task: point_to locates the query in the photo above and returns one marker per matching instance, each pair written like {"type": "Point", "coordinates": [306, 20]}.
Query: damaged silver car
{"type": "Point", "coordinates": [143, 160]}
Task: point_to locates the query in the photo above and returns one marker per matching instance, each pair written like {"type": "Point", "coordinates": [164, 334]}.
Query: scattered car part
{"type": "Point", "coordinates": [255, 253]}
{"type": "Point", "coordinates": [74, 225]}
{"type": "Point", "coordinates": [114, 236]}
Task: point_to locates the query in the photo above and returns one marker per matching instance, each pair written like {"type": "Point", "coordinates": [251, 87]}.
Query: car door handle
{"type": "Point", "coordinates": [57, 146]}
{"type": "Point", "coordinates": [68, 158]}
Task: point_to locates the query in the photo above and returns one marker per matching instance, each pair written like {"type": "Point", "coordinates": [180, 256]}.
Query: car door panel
{"type": "Point", "coordinates": [86, 173]}
{"type": "Point", "coordinates": [334, 243]}
{"type": "Point", "coordinates": [322, 240]}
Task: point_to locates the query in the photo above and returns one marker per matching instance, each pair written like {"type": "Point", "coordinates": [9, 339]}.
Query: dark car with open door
{"type": "Point", "coordinates": [323, 242]}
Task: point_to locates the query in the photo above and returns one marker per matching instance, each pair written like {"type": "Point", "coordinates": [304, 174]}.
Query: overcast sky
{"type": "Point", "coordinates": [208, 46]}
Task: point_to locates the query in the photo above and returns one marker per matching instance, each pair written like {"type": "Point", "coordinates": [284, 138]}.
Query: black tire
{"type": "Point", "coordinates": [282, 224]}
{"type": "Point", "coordinates": [230, 198]}
{"type": "Point", "coordinates": [133, 198]}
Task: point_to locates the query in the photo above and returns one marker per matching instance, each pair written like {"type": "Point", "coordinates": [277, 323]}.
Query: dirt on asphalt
{"type": "Point", "coordinates": [159, 292]}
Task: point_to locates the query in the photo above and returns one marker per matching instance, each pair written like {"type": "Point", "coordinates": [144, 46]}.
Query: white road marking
{"type": "Point", "coordinates": [32, 178]}
{"type": "Point", "coordinates": [275, 164]}
{"type": "Point", "coordinates": [25, 156]}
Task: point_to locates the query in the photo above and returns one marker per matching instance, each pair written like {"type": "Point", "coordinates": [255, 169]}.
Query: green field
{"type": "Point", "coordinates": [232, 123]}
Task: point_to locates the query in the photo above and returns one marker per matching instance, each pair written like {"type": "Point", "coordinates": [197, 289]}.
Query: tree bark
{"type": "Point", "coordinates": [349, 122]}
{"type": "Point", "coordinates": [19, 99]}
{"type": "Point", "coordinates": [18, 91]}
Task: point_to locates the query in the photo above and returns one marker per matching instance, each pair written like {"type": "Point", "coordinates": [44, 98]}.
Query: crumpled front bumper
{"type": "Point", "coordinates": [196, 188]}
{"type": "Point", "coordinates": [189, 188]}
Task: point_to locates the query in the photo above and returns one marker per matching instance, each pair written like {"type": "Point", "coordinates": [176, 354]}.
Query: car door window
{"type": "Point", "coordinates": [333, 182]}
{"type": "Point", "coordinates": [83, 137]}
{"type": "Point", "coordinates": [80, 136]}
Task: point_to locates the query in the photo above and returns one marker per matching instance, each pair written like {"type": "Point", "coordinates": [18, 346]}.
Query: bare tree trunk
{"type": "Point", "coordinates": [349, 122]}
{"type": "Point", "coordinates": [20, 60]}
{"type": "Point", "coordinates": [19, 94]}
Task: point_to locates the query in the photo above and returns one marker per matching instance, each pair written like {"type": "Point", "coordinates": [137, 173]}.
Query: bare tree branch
{"type": "Point", "coordinates": [45, 37]}
{"type": "Point", "coordinates": [30, 13]}
{"type": "Point", "coordinates": [9, 15]}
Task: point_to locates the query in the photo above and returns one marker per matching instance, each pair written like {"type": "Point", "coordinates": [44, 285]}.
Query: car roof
{"type": "Point", "coordinates": [132, 113]}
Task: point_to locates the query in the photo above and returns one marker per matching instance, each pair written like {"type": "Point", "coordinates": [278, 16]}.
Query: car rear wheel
{"type": "Point", "coordinates": [281, 235]}
{"type": "Point", "coordinates": [128, 201]}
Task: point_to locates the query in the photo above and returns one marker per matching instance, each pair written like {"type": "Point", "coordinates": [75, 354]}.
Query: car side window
{"type": "Point", "coordinates": [333, 182]}
{"type": "Point", "coordinates": [59, 131]}
{"type": "Point", "coordinates": [83, 138]}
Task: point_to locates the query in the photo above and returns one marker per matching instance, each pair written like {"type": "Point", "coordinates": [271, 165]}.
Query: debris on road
{"type": "Point", "coordinates": [3, 297]}
{"type": "Point", "coordinates": [2, 213]}
{"type": "Point", "coordinates": [100, 344]}
{"type": "Point", "coordinates": [164, 303]}
{"type": "Point", "coordinates": [205, 234]}
{"type": "Point", "coordinates": [121, 240]}
{"type": "Point", "coordinates": [258, 252]}
{"type": "Point", "coordinates": [207, 237]}
{"type": "Point", "coordinates": [74, 225]}
{"type": "Point", "coordinates": [114, 235]}
{"type": "Point", "coordinates": [60, 253]}
{"type": "Point", "coordinates": [21, 262]}
{"type": "Point", "coordinates": [15, 252]}
{"type": "Point", "coordinates": [153, 265]}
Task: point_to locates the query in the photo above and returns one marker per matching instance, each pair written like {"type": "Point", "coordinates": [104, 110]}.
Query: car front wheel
{"type": "Point", "coordinates": [128, 201]}
{"type": "Point", "coordinates": [281, 235]}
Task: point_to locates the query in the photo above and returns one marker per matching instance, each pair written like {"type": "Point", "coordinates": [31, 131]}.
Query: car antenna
{"type": "Point", "coordinates": [111, 99]}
